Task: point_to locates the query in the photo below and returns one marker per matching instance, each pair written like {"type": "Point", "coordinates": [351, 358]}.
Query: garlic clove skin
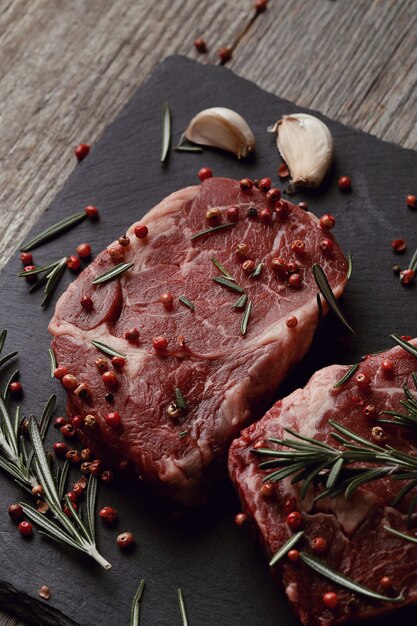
{"type": "Point", "coordinates": [223, 128]}
{"type": "Point", "coordinates": [306, 145]}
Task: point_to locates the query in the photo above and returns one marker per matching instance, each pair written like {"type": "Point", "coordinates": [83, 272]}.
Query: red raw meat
{"type": "Point", "coordinates": [358, 545]}
{"type": "Point", "coordinates": [227, 379]}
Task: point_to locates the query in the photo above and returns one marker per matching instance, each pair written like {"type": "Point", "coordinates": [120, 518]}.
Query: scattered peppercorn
{"type": "Point", "coordinates": [116, 252]}
{"type": "Point", "coordinates": [399, 245]}
{"type": "Point", "coordinates": [280, 267]}
{"type": "Point", "coordinates": [225, 54]}
{"type": "Point", "coordinates": [26, 258]}
{"type": "Point", "coordinates": [141, 231]}
{"type": "Point", "coordinates": [344, 183]}
{"type": "Point", "coordinates": [118, 362]}
{"type": "Point", "coordinates": [83, 250]}
{"type": "Point", "coordinates": [294, 520]}
{"type": "Point", "coordinates": [283, 171]}
{"type": "Point", "coordinates": [68, 511]}
{"type": "Point", "coordinates": [298, 246]}
{"type": "Point", "coordinates": [92, 212]}
{"type": "Point", "coordinates": [293, 555]}
{"type": "Point", "coordinates": [292, 322]}
{"type": "Point", "coordinates": [68, 431]}
{"type": "Point", "coordinates": [282, 209]}
{"type": "Point", "coordinates": [265, 216]}
{"type": "Point", "coordinates": [167, 301]}
{"type": "Point", "coordinates": [73, 456]}
{"type": "Point", "coordinates": [69, 382]}
{"type": "Point", "coordinates": [204, 173]}
{"type": "Point", "coordinates": [200, 45]}
{"type": "Point", "coordinates": [303, 206]}
{"type": "Point", "coordinates": [290, 505]}
{"type": "Point", "coordinates": [124, 241]}
{"type": "Point", "coordinates": [107, 477]}
{"type": "Point", "coordinates": [319, 545]}
{"type": "Point", "coordinates": [125, 540]}
{"type": "Point", "coordinates": [273, 195]}
{"type": "Point", "coordinates": [60, 372]}
{"type": "Point", "coordinates": [213, 214]}
{"type": "Point", "coordinates": [295, 281]}
{"type": "Point", "coordinates": [26, 529]}
{"type": "Point", "coordinates": [95, 467]}
{"type": "Point", "coordinates": [378, 434]}
{"type": "Point", "coordinates": [159, 343]}
{"type": "Point", "coordinates": [240, 519]}
{"type": "Point", "coordinates": [327, 221]}
{"type": "Point", "coordinates": [411, 201]}
{"type": "Point", "coordinates": [85, 467]}
{"type": "Point", "coordinates": [44, 592]}
{"type": "Point", "coordinates": [31, 278]}
{"type": "Point", "coordinates": [15, 511]}
{"type": "Point", "coordinates": [260, 5]}
{"type": "Point", "coordinates": [132, 335]}
{"type": "Point", "coordinates": [248, 266]}
{"type": "Point", "coordinates": [246, 184]}
{"type": "Point", "coordinates": [396, 270]}
{"type": "Point", "coordinates": [330, 599]}
{"type": "Point", "coordinates": [101, 364]}
{"type": "Point", "coordinates": [60, 449]}
{"type": "Point", "coordinates": [267, 490]}
{"type": "Point", "coordinates": [109, 397]}
{"type": "Point", "coordinates": [81, 151]}
{"type": "Point", "coordinates": [387, 368]}
{"type": "Point", "coordinates": [108, 515]}
{"type": "Point", "coordinates": [242, 250]}
{"type": "Point", "coordinates": [87, 303]}
{"type": "Point", "coordinates": [77, 421]}
{"type": "Point", "coordinates": [73, 263]}
{"type": "Point", "coordinates": [363, 381]}
{"type": "Point", "coordinates": [233, 214]}
{"type": "Point", "coordinates": [407, 276]}
{"type": "Point", "coordinates": [173, 410]}
{"type": "Point", "coordinates": [16, 389]}
{"type": "Point", "coordinates": [110, 379]}
{"type": "Point", "coordinates": [370, 411]}
{"type": "Point", "coordinates": [113, 419]}
{"type": "Point", "coordinates": [327, 246]}
{"type": "Point", "coordinates": [265, 184]}
{"type": "Point", "coordinates": [386, 582]}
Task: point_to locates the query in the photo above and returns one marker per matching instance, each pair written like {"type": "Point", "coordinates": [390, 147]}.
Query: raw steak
{"type": "Point", "coordinates": [226, 379]}
{"type": "Point", "coordinates": [357, 544]}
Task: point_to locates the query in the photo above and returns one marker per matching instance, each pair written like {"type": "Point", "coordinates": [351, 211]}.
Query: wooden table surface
{"type": "Point", "coordinates": [67, 69]}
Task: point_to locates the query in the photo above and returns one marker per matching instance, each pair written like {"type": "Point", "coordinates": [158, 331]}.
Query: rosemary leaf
{"type": "Point", "coordinates": [3, 336]}
{"type": "Point", "coordinates": [53, 279]}
{"type": "Point", "coordinates": [212, 231]}
{"type": "Point", "coordinates": [107, 349]}
{"type": "Point", "coordinates": [6, 358]}
{"type": "Point", "coordinates": [350, 266]}
{"type": "Point", "coordinates": [404, 344]}
{"type": "Point", "coordinates": [240, 302]}
{"type": "Point", "coordinates": [38, 284]}
{"type": "Point", "coordinates": [180, 400]}
{"type": "Point", "coordinates": [8, 431]}
{"type": "Point", "coordinates": [54, 231]}
{"type": "Point", "coordinates": [286, 547]}
{"type": "Point", "coordinates": [326, 291]}
{"type": "Point", "coordinates": [334, 473]}
{"type": "Point", "coordinates": [182, 608]}
{"type": "Point", "coordinates": [337, 577]}
{"type": "Point", "coordinates": [413, 263]}
{"type": "Point", "coordinates": [112, 273]}
{"type": "Point", "coordinates": [38, 270]}
{"type": "Point", "coordinates": [166, 131]}
{"type": "Point", "coordinates": [222, 269]}
{"type": "Point", "coordinates": [52, 361]}
{"type": "Point", "coordinates": [62, 480]}
{"type": "Point", "coordinates": [91, 505]}
{"type": "Point", "coordinates": [224, 282]}
{"type": "Point", "coordinates": [393, 531]}
{"type": "Point", "coordinates": [185, 148]}
{"type": "Point", "coordinates": [134, 612]}
{"type": "Point", "coordinates": [45, 476]}
{"type": "Point", "coordinates": [186, 302]}
{"type": "Point", "coordinates": [50, 528]}
{"type": "Point", "coordinates": [183, 434]}
{"type": "Point", "coordinates": [47, 415]}
{"type": "Point", "coordinates": [257, 271]}
{"type": "Point", "coordinates": [245, 319]}
{"type": "Point", "coordinates": [346, 376]}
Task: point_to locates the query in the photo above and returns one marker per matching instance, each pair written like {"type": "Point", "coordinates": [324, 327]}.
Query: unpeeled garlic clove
{"type": "Point", "coordinates": [306, 145]}
{"type": "Point", "coordinates": [223, 128]}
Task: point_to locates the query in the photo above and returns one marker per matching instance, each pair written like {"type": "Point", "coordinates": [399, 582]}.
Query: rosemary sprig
{"type": "Point", "coordinates": [346, 376]}
{"type": "Point", "coordinates": [7, 357]}
{"type": "Point", "coordinates": [186, 302]}
{"type": "Point", "coordinates": [337, 577]}
{"type": "Point", "coordinates": [187, 148]}
{"type": "Point", "coordinates": [404, 344]}
{"type": "Point", "coordinates": [181, 606]}
{"type": "Point", "coordinates": [340, 470]}
{"type": "Point", "coordinates": [393, 531]}
{"type": "Point", "coordinates": [286, 547]}
{"type": "Point", "coordinates": [408, 418]}
{"type": "Point", "coordinates": [257, 271]}
{"type": "Point", "coordinates": [413, 263]}
{"type": "Point", "coordinates": [134, 613]}
{"type": "Point", "coordinates": [180, 400]}
{"type": "Point", "coordinates": [38, 270]}
{"type": "Point", "coordinates": [245, 319]}
{"type": "Point", "coordinates": [111, 273]}
{"type": "Point", "coordinates": [212, 231]}
{"type": "Point", "coordinates": [53, 279]}
{"type": "Point", "coordinates": [240, 302]}
{"type": "Point", "coordinates": [107, 349]}
{"type": "Point", "coordinates": [54, 231]}
{"type": "Point", "coordinates": [225, 282]}
{"type": "Point", "coordinates": [327, 293]}
{"type": "Point", "coordinates": [52, 361]}
{"type": "Point", "coordinates": [222, 269]}
{"type": "Point", "coordinates": [166, 131]}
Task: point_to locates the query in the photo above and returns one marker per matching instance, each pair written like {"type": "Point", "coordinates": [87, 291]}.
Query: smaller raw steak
{"type": "Point", "coordinates": [228, 371]}
{"type": "Point", "coordinates": [355, 540]}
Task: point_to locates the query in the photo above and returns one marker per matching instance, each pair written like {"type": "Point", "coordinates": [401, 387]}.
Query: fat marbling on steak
{"type": "Point", "coordinates": [227, 379]}
{"type": "Point", "coordinates": [357, 544]}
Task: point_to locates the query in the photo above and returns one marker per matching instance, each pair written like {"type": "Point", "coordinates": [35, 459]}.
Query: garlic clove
{"type": "Point", "coordinates": [223, 128]}
{"type": "Point", "coordinates": [306, 145]}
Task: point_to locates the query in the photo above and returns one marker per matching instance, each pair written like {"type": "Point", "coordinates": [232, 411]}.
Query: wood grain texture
{"type": "Point", "coordinates": [67, 69]}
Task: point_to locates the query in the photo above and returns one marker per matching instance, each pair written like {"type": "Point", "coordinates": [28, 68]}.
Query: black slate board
{"type": "Point", "coordinates": [223, 575]}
